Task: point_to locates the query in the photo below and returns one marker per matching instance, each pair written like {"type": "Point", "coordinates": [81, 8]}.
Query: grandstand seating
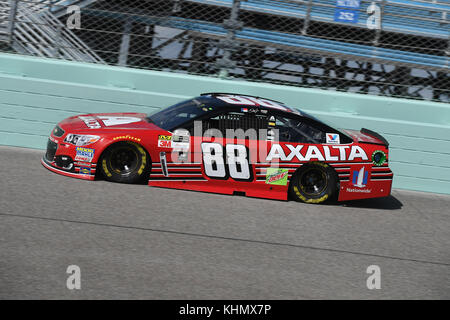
{"type": "Point", "coordinates": [331, 47]}
{"type": "Point", "coordinates": [410, 17]}
{"type": "Point", "coordinates": [414, 34]}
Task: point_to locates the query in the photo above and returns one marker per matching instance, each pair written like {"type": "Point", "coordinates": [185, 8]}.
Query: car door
{"type": "Point", "coordinates": [226, 145]}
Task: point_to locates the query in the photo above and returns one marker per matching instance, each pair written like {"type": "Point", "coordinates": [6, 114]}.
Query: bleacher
{"type": "Point", "coordinates": [401, 16]}
{"type": "Point", "coordinates": [302, 34]}
{"type": "Point", "coordinates": [305, 43]}
{"type": "Point", "coordinates": [314, 45]}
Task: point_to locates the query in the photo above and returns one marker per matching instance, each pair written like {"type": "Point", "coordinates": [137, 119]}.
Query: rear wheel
{"type": "Point", "coordinates": [314, 182]}
{"type": "Point", "coordinates": [125, 162]}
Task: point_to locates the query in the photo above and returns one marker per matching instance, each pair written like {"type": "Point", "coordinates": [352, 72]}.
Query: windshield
{"type": "Point", "coordinates": [174, 116]}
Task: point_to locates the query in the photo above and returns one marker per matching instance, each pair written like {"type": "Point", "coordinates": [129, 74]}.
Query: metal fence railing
{"type": "Point", "coordinates": [30, 28]}
{"type": "Point", "coordinates": [383, 47]}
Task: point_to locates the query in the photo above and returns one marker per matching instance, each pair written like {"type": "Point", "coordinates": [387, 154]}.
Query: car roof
{"type": "Point", "coordinates": [245, 100]}
{"type": "Point", "coordinates": [239, 101]}
{"type": "Point", "coordinates": [215, 94]}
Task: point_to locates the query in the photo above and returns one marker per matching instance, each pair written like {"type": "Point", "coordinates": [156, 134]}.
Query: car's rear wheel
{"type": "Point", "coordinates": [314, 182]}
{"type": "Point", "coordinates": [125, 162]}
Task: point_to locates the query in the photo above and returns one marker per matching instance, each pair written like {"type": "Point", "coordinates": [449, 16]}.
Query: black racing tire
{"type": "Point", "coordinates": [125, 162]}
{"type": "Point", "coordinates": [314, 182]}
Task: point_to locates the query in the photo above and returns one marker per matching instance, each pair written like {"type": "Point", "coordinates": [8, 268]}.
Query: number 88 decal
{"type": "Point", "coordinates": [236, 165]}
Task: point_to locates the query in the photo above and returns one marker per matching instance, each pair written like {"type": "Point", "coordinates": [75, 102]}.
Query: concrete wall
{"type": "Point", "coordinates": [37, 93]}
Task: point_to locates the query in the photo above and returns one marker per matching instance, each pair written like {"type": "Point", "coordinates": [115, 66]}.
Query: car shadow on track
{"type": "Point", "coordinates": [385, 203]}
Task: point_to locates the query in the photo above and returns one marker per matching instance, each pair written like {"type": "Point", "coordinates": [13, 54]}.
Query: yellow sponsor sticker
{"type": "Point", "coordinates": [127, 137]}
{"type": "Point", "coordinates": [165, 138]}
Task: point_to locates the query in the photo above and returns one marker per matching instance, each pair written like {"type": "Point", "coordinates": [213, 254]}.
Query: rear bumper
{"type": "Point", "coordinates": [378, 185]}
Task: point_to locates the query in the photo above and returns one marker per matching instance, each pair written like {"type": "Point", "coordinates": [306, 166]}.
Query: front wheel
{"type": "Point", "coordinates": [314, 182]}
{"type": "Point", "coordinates": [125, 162]}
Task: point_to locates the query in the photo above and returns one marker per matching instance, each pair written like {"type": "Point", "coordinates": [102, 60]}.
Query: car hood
{"type": "Point", "coordinates": [106, 121]}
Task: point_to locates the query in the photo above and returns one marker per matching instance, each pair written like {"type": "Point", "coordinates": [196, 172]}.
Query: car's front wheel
{"type": "Point", "coordinates": [125, 162]}
{"type": "Point", "coordinates": [314, 182]}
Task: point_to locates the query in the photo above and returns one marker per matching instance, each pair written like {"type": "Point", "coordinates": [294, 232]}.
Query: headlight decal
{"type": "Point", "coordinates": [58, 132]}
{"type": "Point", "coordinates": [81, 140]}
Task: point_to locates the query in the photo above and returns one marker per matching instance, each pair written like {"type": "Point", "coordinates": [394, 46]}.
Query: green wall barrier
{"type": "Point", "coordinates": [37, 93]}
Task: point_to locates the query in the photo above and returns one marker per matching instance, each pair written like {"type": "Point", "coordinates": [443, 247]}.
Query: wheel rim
{"type": "Point", "coordinates": [313, 182]}
{"type": "Point", "coordinates": [123, 160]}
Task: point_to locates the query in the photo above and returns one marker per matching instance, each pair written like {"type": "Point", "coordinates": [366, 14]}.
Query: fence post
{"type": "Point", "coordinates": [12, 20]}
{"type": "Point", "coordinates": [378, 30]}
{"type": "Point", "coordinates": [229, 44]}
{"type": "Point", "coordinates": [125, 45]}
{"type": "Point", "coordinates": [57, 41]}
{"type": "Point", "coordinates": [447, 52]}
{"type": "Point", "coordinates": [307, 18]}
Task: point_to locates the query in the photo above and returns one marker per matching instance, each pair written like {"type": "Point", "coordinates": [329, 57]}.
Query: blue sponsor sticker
{"type": "Point", "coordinates": [360, 178]}
{"type": "Point", "coordinates": [85, 171]}
{"type": "Point", "coordinates": [344, 15]}
{"type": "Point", "coordinates": [348, 4]}
{"type": "Point", "coordinates": [84, 154]}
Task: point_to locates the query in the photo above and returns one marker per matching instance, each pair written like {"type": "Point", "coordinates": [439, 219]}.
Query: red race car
{"type": "Point", "coordinates": [225, 143]}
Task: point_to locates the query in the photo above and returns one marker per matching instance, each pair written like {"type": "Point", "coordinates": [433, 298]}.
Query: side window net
{"type": "Point", "coordinates": [293, 130]}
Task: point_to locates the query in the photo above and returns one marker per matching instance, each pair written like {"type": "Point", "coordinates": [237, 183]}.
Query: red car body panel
{"type": "Point", "coordinates": [358, 176]}
{"type": "Point", "coordinates": [379, 177]}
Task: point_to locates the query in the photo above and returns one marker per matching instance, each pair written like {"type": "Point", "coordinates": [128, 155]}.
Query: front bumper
{"type": "Point", "coordinates": [57, 161]}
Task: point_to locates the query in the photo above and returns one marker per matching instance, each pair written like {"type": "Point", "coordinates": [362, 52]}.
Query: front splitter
{"type": "Point", "coordinates": [47, 165]}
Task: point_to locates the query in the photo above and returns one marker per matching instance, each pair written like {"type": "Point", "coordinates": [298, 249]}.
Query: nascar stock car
{"type": "Point", "coordinates": [225, 143]}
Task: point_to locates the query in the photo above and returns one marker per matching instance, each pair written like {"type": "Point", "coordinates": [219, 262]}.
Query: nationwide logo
{"type": "Point", "coordinates": [359, 190]}
{"type": "Point", "coordinates": [360, 178]}
{"type": "Point", "coordinates": [277, 176]}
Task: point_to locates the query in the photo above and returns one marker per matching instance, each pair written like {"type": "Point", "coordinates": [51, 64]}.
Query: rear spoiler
{"type": "Point", "coordinates": [375, 135]}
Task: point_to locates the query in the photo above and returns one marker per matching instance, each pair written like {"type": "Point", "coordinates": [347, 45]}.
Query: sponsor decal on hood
{"type": "Point", "coordinates": [93, 122]}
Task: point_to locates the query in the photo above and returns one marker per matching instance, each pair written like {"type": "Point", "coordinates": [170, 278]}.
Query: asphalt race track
{"type": "Point", "coordinates": [133, 241]}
